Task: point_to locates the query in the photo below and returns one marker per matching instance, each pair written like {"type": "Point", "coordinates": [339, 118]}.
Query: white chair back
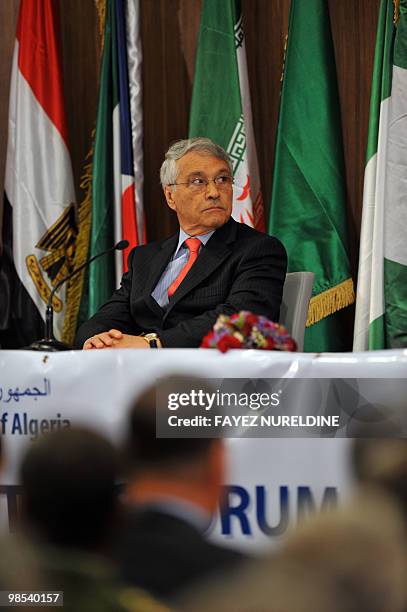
{"type": "Point", "coordinates": [294, 306]}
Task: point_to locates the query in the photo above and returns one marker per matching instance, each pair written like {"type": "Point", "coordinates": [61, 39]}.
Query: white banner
{"type": "Point", "coordinates": [271, 480]}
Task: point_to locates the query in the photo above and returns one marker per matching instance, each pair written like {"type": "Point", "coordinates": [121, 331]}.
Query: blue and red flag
{"type": "Point", "coordinates": [117, 211]}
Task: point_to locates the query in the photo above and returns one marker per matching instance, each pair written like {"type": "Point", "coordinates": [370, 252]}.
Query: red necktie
{"type": "Point", "coordinates": [193, 245]}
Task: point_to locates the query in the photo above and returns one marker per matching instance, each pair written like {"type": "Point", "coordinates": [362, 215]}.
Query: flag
{"type": "Point", "coordinates": [116, 211]}
{"type": "Point", "coordinates": [221, 107]}
{"type": "Point", "coordinates": [308, 196]}
{"type": "Point", "coordinates": [381, 304]}
{"type": "Point", "coordinates": [39, 216]}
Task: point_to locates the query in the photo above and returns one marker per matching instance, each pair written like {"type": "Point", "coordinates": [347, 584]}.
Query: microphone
{"type": "Point", "coordinates": [50, 343]}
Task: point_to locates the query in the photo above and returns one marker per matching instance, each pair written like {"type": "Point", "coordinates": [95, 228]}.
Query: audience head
{"type": "Point", "coordinates": [348, 560]}
{"type": "Point", "coordinates": [19, 567]}
{"type": "Point", "coordinates": [68, 479]}
{"type": "Point", "coordinates": [382, 463]}
{"type": "Point", "coordinates": [183, 466]}
{"type": "Point", "coordinates": [356, 554]}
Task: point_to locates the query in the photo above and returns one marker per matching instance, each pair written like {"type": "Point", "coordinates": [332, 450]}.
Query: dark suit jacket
{"type": "Point", "coordinates": [238, 269]}
{"type": "Point", "coordinates": [165, 555]}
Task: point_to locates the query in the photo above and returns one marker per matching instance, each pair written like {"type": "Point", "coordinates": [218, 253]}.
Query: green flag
{"type": "Point", "coordinates": [117, 212]}
{"type": "Point", "coordinates": [101, 283]}
{"type": "Point", "coordinates": [221, 108]}
{"type": "Point", "coordinates": [381, 305]}
{"type": "Point", "coordinates": [308, 197]}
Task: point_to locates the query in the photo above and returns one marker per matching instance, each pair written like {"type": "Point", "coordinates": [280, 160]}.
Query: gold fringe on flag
{"type": "Point", "coordinates": [101, 9]}
{"type": "Point", "coordinates": [75, 284]}
{"type": "Point", "coordinates": [396, 12]}
{"type": "Point", "coordinates": [284, 58]}
{"type": "Point", "coordinates": [328, 302]}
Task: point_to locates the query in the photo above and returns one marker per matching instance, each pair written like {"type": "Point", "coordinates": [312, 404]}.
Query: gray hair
{"type": "Point", "coordinates": [206, 146]}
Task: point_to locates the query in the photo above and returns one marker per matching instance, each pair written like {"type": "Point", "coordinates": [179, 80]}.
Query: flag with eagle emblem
{"type": "Point", "coordinates": [39, 217]}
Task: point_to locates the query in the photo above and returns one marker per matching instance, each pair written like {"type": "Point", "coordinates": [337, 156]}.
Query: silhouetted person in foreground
{"type": "Point", "coordinates": [346, 560]}
{"type": "Point", "coordinates": [18, 563]}
{"type": "Point", "coordinates": [381, 463]}
{"type": "Point", "coordinates": [69, 507]}
{"type": "Point", "coordinates": [174, 489]}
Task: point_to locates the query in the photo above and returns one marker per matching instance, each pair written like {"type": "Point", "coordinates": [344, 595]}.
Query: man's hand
{"type": "Point", "coordinates": [103, 340]}
{"type": "Point", "coordinates": [114, 339]}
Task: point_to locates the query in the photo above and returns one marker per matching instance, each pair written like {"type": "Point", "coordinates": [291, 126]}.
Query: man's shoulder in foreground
{"type": "Point", "coordinates": [176, 556]}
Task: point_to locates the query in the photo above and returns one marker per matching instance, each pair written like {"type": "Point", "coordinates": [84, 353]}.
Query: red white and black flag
{"type": "Point", "coordinates": [39, 217]}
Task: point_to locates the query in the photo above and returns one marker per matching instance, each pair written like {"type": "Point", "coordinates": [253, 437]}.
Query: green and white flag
{"type": "Point", "coordinates": [308, 198]}
{"type": "Point", "coordinates": [381, 304]}
{"type": "Point", "coordinates": [102, 278]}
{"type": "Point", "coordinates": [221, 108]}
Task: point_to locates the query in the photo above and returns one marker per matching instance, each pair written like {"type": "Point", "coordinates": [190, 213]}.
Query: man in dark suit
{"type": "Point", "coordinates": [174, 488]}
{"type": "Point", "coordinates": [175, 289]}
{"type": "Point", "coordinates": [69, 509]}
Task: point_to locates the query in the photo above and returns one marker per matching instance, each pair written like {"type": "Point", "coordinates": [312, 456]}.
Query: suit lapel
{"type": "Point", "coordinates": [157, 268]}
{"type": "Point", "coordinates": [211, 256]}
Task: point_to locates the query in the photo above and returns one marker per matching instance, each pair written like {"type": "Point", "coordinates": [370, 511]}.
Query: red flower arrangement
{"type": "Point", "coordinates": [247, 330]}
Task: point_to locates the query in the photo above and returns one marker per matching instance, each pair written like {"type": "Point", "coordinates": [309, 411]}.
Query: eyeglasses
{"type": "Point", "coordinates": [198, 183]}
